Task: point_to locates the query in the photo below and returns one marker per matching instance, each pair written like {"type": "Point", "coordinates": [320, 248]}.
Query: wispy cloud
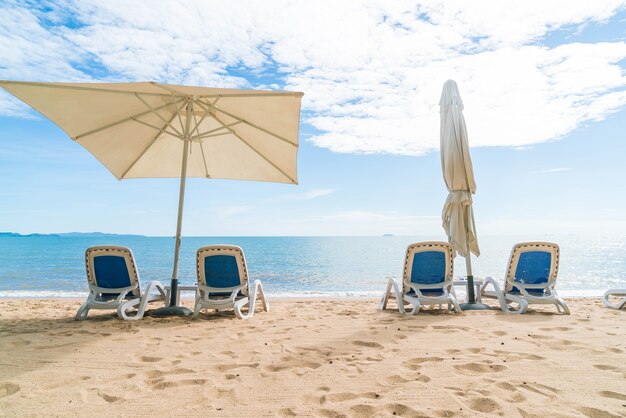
{"type": "Point", "coordinates": [227, 211]}
{"type": "Point", "coordinates": [299, 196]}
{"type": "Point", "coordinates": [370, 223]}
{"type": "Point", "coordinates": [372, 71]}
{"type": "Point", "coordinates": [556, 170]}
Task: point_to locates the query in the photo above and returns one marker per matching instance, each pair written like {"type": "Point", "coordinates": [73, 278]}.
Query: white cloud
{"type": "Point", "coordinates": [372, 71]}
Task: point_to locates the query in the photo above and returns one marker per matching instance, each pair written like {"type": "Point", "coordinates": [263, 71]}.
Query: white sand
{"type": "Point", "coordinates": [321, 358]}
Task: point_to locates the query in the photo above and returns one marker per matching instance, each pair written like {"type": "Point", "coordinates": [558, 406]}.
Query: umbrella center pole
{"type": "Point", "coordinates": [181, 199]}
{"type": "Point", "coordinates": [471, 295]}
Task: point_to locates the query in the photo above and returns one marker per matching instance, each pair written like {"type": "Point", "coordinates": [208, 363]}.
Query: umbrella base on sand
{"type": "Point", "coordinates": [475, 306]}
{"type": "Point", "coordinates": [171, 311]}
{"type": "Point", "coordinates": [471, 304]}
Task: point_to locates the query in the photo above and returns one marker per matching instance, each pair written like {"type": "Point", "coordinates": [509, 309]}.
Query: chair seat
{"type": "Point", "coordinates": [531, 292]}
{"type": "Point", "coordinates": [107, 297]}
{"type": "Point", "coordinates": [224, 295]}
{"type": "Point", "coordinates": [427, 292]}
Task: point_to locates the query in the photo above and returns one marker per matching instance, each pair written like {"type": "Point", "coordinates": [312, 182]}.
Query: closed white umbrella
{"type": "Point", "coordinates": [147, 130]}
{"type": "Point", "coordinates": [457, 214]}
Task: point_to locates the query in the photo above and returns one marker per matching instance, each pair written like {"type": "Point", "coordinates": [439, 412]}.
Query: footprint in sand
{"type": "Point", "coordinates": [395, 379]}
{"type": "Point", "coordinates": [516, 397]}
{"type": "Point", "coordinates": [370, 344]}
{"type": "Point", "coordinates": [612, 395]}
{"type": "Point", "coordinates": [94, 396]}
{"type": "Point", "coordinates": [540, 389]}
{"type": "Point", "coordinates": [363, 410]}
{"type": "Point", "coordinates": [606, 367]}
{"type": "Point", "coordinates": [287, 412]}
{"type": "Point", "coordinates": [556, 329]}
{"type": "Point", "coordinates": [416, 363]}
{"type": "Point", "coordinates": [472, 368]}
{"type": "Point", "coordinates": [226, 367]}
{"type": "Point", "coordinates": [399, 410]}
{"type": "Point", "coordinates": [148, 359]}
{"type": "Point", "coordinates": [483, 404]}
{"type": "Point", "coordinates": [330, 413]}
{"type": "Point", "coordinates": [177, 383]}
{"type": "Point", "coordinates": [8, 389]}
{"type": "Point", "coordinates": [155, 374]}
{"type": "Point", "coordinates": [594, 412]}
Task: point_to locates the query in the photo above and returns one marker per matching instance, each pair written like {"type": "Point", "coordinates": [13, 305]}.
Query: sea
{"type": "Point", "coordinates": [53, 266]}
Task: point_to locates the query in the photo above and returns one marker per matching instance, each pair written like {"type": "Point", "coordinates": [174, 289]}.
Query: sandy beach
{"type": "Point", "coordinates": [315, 358]}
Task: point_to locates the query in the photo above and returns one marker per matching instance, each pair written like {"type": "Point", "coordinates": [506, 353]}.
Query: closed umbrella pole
{"type": "Point", "coordinates": [456, 164]}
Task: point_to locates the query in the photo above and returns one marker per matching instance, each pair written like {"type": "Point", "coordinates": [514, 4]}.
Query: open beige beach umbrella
{"type": "Point", "coordinates": [457, 214]}
{"type": "Point", "coordinates": [148, 130]}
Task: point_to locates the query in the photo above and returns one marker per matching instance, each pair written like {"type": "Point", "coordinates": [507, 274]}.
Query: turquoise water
{"type": "Point", "coordinates": [49, 266]}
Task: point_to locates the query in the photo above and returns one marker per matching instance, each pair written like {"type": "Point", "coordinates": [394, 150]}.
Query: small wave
{"type": "Point", "coordinates": [46, 294]}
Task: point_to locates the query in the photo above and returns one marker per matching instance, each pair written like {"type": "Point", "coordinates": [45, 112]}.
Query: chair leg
{"type": "Point", "coordinates": [260, 293]}
{"type": "Point", "coordinates": [82, 312]}
{"type": "Point", "coordinates": [416, 307]}
{"type": "Point", "coordinates": [196, 309]}
{"type": "Point", "coordinates": [562, 305]}
{"type": "Point", "coordinates": [392, 285]}
{"type": "Point", "coordinates": [457, 307]}
{"type": "Point", "coordinates": [504, 305]}
{"type": "Point", "coordinates": [240, 304]}
{"type": "Point", "coordinates": [383, 302]}
{"type": "Point", "coordinates": [618, 293]}
{"type": "Point", "coordinates": [133, 303]}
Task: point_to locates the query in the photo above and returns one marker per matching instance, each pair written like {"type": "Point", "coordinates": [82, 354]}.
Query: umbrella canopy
{"type": "Point", "coordinates": [457, 214]}
{"type": "Point", "coordinates": [147, 130]}
{"type": "Point", "coordinates": [136, 130]}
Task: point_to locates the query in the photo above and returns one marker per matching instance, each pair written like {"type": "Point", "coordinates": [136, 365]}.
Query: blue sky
{"type": "Point", "coordinates": [544, 87]}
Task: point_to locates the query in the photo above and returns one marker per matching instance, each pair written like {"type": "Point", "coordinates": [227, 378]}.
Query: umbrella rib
{"type": "Point", "coordinates": [207, 134]}
{"type": "Point", "coordinates": [175, 135]}
{"type": "Point", "coordinates": [255, 150]}
{"type": "Point", "coordinates": [206, 168]}
{"type": "Point", "coordinates": [170, 90]}
{"type": "Point", "coordinates": [72, 87]}
{"type": "Point", "coordinates": [256, 126]}
{"type": "Point", "coordinates": [246, 122]}
{"type": "Point", "coordinates": [159, 115]}
{"type": "Point", "coordinates": [180, 119]}
{"type": "Point", "coordinates": [158, 135]}
{"type": "Point", "coordinates": [110, 125]}
{"type": "Point", "coordinates": [197, 127]}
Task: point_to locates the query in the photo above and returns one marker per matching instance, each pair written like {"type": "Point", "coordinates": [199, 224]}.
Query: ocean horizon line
{"type": "Point", "coordinates": [440, 237]}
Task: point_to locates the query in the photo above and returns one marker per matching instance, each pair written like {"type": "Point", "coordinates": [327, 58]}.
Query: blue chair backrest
{"type": "Point", "coordinates": [533, 267]}
{"type": "Point", "coordinates": [429, 267]}
{"type": "Point", "coordinates": [221, 271]}
{"type": "Point", "coordinates": [111, 272]}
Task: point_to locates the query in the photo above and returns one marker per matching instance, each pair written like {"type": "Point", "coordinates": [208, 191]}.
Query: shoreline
{"type": "Point", "coordinates": [75, 295]}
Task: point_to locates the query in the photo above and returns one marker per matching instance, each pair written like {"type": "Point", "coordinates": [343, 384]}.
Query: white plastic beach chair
{"type": "Point", "coordinates": [114, 283]}
{"type": "Point", "coordinates": [620, 294]}
{"type": "Point", "coordinates": [427, 278]}
{"type": "Point", "coordinates": [530, 278]}
{"type": "Point", "coordinates": [223, 282]}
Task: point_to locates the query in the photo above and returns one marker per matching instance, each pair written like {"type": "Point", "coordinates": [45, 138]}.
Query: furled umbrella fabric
{"type": "Point", "coordinates": [148, 130]}
{"type": "Point", "coordinates": [457, 214]}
